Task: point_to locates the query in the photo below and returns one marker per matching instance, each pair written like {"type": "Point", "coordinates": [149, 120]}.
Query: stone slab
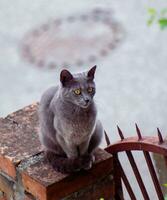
{"type": "Point", "coordinates": [46, 184]}
{"type": "Point", "coordinates": [18, 138]}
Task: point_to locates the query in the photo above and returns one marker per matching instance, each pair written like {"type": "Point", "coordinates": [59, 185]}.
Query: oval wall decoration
{"type": "Point", "coordinates": [74, 40]}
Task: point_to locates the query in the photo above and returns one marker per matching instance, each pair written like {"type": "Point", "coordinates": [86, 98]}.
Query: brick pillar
{"type": "Point", "coordinates": [25, 174]}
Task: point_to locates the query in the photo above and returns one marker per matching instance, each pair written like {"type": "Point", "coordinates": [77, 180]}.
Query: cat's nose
{"type": "Point", "coordinates": [87, 101]}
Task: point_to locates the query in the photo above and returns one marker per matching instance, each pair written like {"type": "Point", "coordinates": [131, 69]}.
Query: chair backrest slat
{"type": "Point", "coordinates": [137, 175]}
{"type": "Point", "coordinates": [126, 182]}
{"type": "Point", "coordinates": [153, 175]}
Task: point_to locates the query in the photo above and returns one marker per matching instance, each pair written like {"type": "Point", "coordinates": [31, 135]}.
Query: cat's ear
{"type": "Point", "coordinates": [91, 72]}
{"type": "Point", "coordinates": [65, 77]}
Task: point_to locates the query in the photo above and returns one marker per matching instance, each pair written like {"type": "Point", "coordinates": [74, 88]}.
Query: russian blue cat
{"type": "Point", "coordinates": [69, 128]}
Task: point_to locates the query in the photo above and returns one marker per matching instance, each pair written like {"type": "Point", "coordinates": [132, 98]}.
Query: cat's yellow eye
{"type": "Point", "coordinates": [90, 89]}
{"type": "Point", "coordinates": [77, 91]}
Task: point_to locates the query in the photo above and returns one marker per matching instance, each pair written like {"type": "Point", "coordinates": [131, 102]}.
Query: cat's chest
{"type": "Point", "coordinates": [79, 131]}
{"type": "Point", "coordinates": [83, 122]}
{"type": "Point", "coordinates": [78, 127]}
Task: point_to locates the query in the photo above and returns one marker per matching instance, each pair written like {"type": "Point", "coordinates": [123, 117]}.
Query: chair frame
{"type": "Point", "coordinates": [145, 144]}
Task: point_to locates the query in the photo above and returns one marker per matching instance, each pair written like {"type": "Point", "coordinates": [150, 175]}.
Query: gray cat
{"type": "Point", "coordinates": [69, 129]}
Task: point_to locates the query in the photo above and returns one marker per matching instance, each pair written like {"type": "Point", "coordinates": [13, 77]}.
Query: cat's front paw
{"type": "Point", "coordinates": [88, 161]}
{"type": "Point", "coordinates": [88, 166]}
{"type": "Point", "coordinates": [93, 158]}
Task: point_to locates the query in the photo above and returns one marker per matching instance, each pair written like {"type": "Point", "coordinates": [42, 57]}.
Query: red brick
{"type": "Point", "coordinates": [2, 196]}
{"type": "Point", "coordinates": [19, 138]}
{"type": "Point", "coordinates": [46, 184]}
{"type": "Point", "coordinates": [7, 165]}
{"type": "Point", "coordinates": [28, 197]}
{"type": "Point", "coordinates": [103, 188]}
{"type": "Point", "coordinates": [6, 186]}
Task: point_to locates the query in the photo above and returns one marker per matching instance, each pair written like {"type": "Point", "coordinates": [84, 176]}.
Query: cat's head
{"type": "Point", "coordinates": [78, 89]}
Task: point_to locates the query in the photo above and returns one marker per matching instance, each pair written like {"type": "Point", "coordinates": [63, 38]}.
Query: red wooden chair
{"type": "Point", "coordinates": [146, 145]}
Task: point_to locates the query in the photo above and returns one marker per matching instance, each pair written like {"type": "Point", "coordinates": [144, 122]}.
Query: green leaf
{"type": "Point", "coordinates": [151, 20]}
{"type": "Point", "coordinates": [165, 197]}
{"type": "Point", "coordinates": [153, 14]}
{"type": "Point", "coordinates": [163, 23]}
{"type": "Point", "coordinates": [152, 11]}
{"type": "Point", "coordinates": [165, 185]}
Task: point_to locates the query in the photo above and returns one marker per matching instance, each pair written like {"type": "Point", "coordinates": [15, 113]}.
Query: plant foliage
{"type": "Point", "coordinates": [159, 17]}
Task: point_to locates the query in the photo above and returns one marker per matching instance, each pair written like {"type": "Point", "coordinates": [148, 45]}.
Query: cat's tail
{"type": "Point", "coordinates": [66, 165]}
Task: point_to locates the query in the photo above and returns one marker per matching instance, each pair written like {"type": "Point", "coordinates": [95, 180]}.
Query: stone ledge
{"type": "Point", "coordinates": [45, 183]}
{"type": "Point", "coordinates": [19, 138]}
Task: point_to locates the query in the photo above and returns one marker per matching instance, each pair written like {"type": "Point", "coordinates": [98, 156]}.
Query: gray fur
{"type": "Point", "coordinates": [68, 122]}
